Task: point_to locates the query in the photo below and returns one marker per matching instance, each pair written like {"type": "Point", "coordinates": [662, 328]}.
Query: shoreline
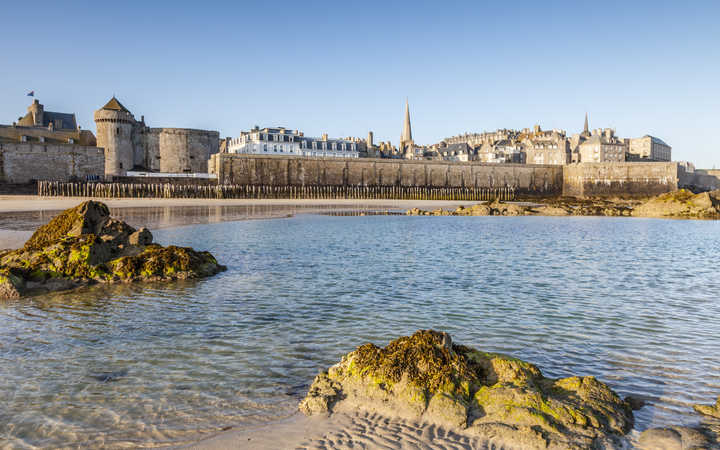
{"type": "Point", "coordinates": [27, 203]}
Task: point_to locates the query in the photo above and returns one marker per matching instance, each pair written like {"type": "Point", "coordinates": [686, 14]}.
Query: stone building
{"type": "Point", "coordinates": [649, 148]}
{"type": "Point", "coordinates": [546, 147]}
{"type": "Point", "coordinates": [602, 146]}
{"type": "Point", "coordinates": [281, 141]}
{"type": "Point", "coordinates": [47, 145]}
{"type": "Point", "coordinates": [504, 151]}
{"type": "Point", "coordinates": [131, 145]}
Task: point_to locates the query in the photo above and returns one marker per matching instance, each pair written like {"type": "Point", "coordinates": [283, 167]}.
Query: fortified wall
{"type": "Point", "coordinates": [25, 162]}
{"type": "Point", "coordinates": [296, 171]}
{"type": "Point", "coordinates": [636, 179]}
{"type": "Point", "coordinates": [177, 150]}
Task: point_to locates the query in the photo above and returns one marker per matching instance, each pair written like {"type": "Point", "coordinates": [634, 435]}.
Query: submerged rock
{"type": "Point", "coordinates": [674, 438]}
{"type": "Point", "coordinates": [84, 245]}
{"type": "Point", "coordinates": [709, 410]}
{"type": "Point", "coordinates": [427, 377]}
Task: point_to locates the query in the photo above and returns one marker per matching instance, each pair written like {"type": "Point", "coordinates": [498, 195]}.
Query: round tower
{"type": "Point", "coordinates": [114, 133]}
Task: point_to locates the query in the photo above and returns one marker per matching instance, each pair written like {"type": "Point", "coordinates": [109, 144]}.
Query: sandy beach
{"type": "Point", "coordinates": [341, 431]}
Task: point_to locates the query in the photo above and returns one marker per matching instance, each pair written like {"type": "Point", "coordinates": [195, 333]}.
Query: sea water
{"type": "Point", "coordinates": [634, 302]}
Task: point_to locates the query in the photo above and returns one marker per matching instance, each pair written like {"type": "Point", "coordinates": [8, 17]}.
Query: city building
{"type": "Point", "coordinates": [130, 145]}
{"type": "Point", "coordinates": [47, 145]}
{"type": "Point", "coordinates": [546, 147]}
{"type": "Point", "coordinates": [602, 146]}
{"type": "Point", "coordinates": [649, 148]}
{"type": "Point", "coordinates": [282, 141]}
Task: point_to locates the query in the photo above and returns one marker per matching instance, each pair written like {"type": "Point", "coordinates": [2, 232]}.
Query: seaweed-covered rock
{"type": "Point", "coordinates": [427, 377]}
{"type": "Point", "coordinates": [709, 410]}
{"type": "Point", "coordinates": [681, 204]}
{"type": "Point", "coordinates": [84, 245]}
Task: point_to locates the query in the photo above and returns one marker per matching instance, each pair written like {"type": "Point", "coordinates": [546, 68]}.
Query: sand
{"type": "Point", "coordinates": [341, 431]}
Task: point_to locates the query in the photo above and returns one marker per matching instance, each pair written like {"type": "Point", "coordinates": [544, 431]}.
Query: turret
{"type": "Point", "coordinates": [114, 133]}
{"type": "Point", "coordinates": [37, 111]}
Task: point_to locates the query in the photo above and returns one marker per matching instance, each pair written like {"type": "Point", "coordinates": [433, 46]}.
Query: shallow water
{"type": "Point", "coordinates": [632, 301]}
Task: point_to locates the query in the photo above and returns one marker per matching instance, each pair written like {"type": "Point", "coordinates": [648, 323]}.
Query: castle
{"type": "Point", "coordinates": [131, 145]}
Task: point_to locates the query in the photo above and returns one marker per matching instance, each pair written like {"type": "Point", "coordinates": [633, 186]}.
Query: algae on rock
{"type": "Point", "coordinates": [426, 377]}
{"type": "Point", "coordinates": [84, 245]}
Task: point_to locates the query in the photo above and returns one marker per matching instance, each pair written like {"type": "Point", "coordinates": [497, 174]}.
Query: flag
{"type": "Point", "coordinates": [31, 94]}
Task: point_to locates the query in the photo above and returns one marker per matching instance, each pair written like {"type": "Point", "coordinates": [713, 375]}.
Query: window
{"type": "Point", "coordinates": [265, 147]}
{"type": "Point", "coordinates": [117, 130]}
{"type": "Point", "coordinates": [275, 148]}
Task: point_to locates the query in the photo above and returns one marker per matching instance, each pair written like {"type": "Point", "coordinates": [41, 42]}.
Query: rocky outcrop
{"type": "Point", "coordinates": [709, 410]}
{"type": "Point", "coordinates": [429, 378]}
{"type": "Point", "coordinates": [84, 245]}
{"type": "Point", "coordinates": [681, 204]}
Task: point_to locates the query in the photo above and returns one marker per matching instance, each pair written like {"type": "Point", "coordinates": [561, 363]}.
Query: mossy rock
{"type": "Point", "coordinates": [426, 377]}
{"type": "Point", "coordinates": [84, 245]}
{"type": "Point", "coordinates": [709, 410]}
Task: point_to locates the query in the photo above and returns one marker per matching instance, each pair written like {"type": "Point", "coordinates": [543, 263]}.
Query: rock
{"type": "Point", "coordinates": [674, 438]}
{"type": "Point", "coordinates": [635, 402]}
{"type": "Point", "coordinates": [709, 410]}
{"type": "Point", "coordinates": [84, 245]}
{"type": "Point", "coordinates": [11, 285]}
{"type": "Point", "coordinates": [682, 204]}
{"type": "Point", "coordinates": [427, 377]}
{"type": "Point", "coordinates": [141, 237]}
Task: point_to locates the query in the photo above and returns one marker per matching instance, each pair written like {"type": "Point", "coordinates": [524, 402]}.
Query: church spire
{"type": "Point", "coordinates": [586, 130]}
{"type": "Point", "coordinates": [407, 132]}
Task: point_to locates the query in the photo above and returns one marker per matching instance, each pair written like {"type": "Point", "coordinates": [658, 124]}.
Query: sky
{"type": "Point", "coordinates": [345, 68]}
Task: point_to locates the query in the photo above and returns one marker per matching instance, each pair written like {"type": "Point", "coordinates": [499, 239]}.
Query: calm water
{"type": "Point", "coordinates": [632, 301]}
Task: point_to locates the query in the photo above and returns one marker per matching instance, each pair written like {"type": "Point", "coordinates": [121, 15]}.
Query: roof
{"type": "Point", "coordinates": [61, 121]}
{"type": "Point", "coordinates": [114, 105]}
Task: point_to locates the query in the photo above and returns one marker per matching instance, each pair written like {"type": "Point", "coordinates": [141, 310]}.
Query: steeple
{"type": "Point", "coordinates": [586, 130]}
{"type": "Point", "coordinates": [407, 132]}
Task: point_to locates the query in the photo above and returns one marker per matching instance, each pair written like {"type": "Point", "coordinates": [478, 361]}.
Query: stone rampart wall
{"type": "Point", "coordinates": [620, 179]}
{"type": "Point", "coordinates": [24, 162]}
{"type": "Point", "coordinates": [178, 150]}
{"type": "Point", "coordinates": [299, 171]}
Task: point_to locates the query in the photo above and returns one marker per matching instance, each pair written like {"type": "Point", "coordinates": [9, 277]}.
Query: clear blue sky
{"type": "Point", "coordinates": [345, 68]}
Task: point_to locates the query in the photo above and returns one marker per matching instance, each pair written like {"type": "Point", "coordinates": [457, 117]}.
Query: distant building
{"type": "Point", "coordinates": [504, 151]}
{"type": "Point", "coordinates": [282, 141]}
{"type": "Point", "coordinates": [602, 146]}
{"type": "Point", "coordinates": [455, 152]}
{"type": "Point", "coordinates": [546, 147]}
{"type": "Point", "coordinates": [46, 145]}
{"type": "Point", "coordinates": [131, 145]}
{"type": "Point", "coordinates": [649, 148]}
{"type": "Point", "coordinates": [49, 127]}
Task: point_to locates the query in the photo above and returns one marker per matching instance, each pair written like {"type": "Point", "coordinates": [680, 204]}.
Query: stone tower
{"type": "Point", "coordinates": [115, 134]}
{"type": "Point", "coordinates": [37, 111]}
{"type": "Point", "coordinates": [406, 140]}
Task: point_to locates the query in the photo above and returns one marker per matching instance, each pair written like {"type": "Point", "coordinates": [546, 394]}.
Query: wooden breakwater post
{"type": "Point", "coordinates": [228, 191]}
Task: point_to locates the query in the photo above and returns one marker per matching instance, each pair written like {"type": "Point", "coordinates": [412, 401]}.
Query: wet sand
{"type": "Point", "coordinates": [341, 431]}
{"type": "Point", "coordinates": [21, 215]}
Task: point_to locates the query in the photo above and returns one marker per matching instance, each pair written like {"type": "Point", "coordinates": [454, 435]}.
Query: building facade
{"type": "Point", "coordinates": [130, 145]}
{"type": "Point", "coordinates": [602, 146]}
{"type": "Point", "coordinates": [47, 145]}
{"type": "Point", "coordinates": [282, 141]}
{"type": "Point", "coordinates": [649, 148]}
